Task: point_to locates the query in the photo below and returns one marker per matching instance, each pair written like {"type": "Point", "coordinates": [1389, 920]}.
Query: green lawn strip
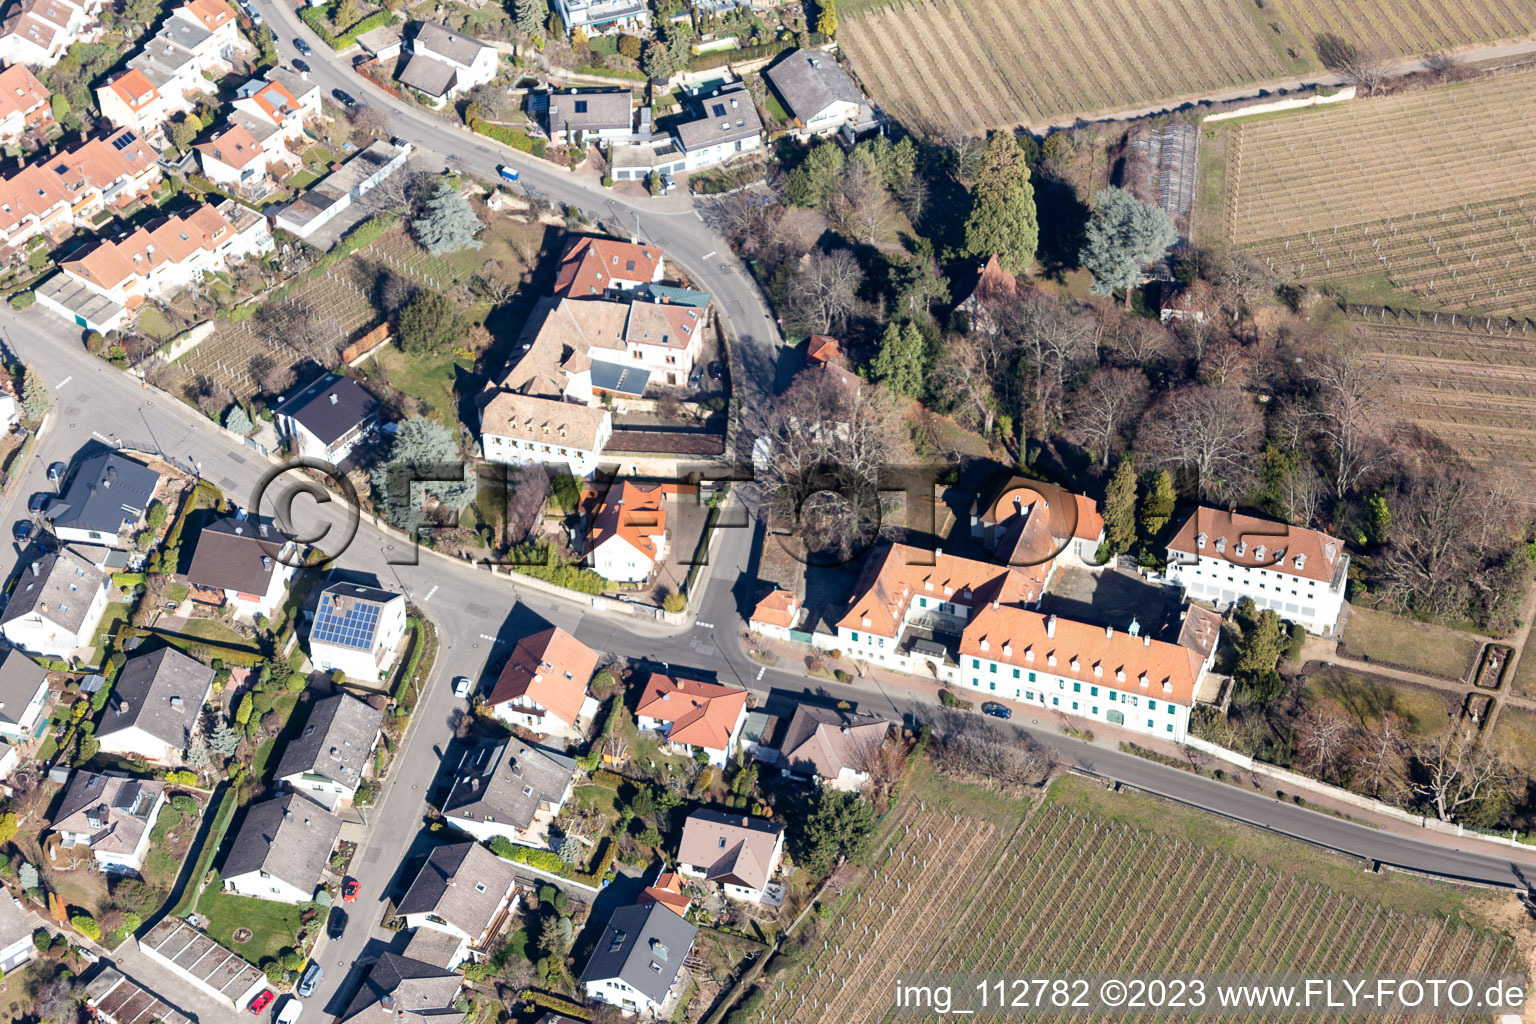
{"type": "Point", "coordinates": [273, 925]}
{"type": "Point", "coordinates": [1525, 671]}
{"type": "Point", "coordinates": [115, 615]}
{"type": "Point", "coordinates": [429, 378]}
{"type": "Point", "coordinates": [1398, 891]}
{"type": "Point", "coordinates": [1366, 698]}
{"type": "Point", "coordinates": [1405, 643]}
{"type": "Point", "coordinates": [229, 802]}
{"type": "Point", "coordinates": [1514, 735]}
{"type": "Point", "coordinates": [216, 632]}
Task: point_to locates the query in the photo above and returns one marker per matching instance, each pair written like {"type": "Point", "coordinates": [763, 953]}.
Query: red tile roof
{"type": "Point", "coordinates": [134, 89]}
{"type": "Point", "coordinates": [208, 13]}
{"type": "Point", "coordinates": [1259, 543]}
{"type": "Point", "coordinates": [896, 575]}
{"type": "Point", "coordinates": [591, 264]}
{"type": "Point", "coordinates": [632, 512]}
{"type": "Point", "coordinates": [234, 146]}
{"type": "Point", "coordinates": [823, 348]}
{"type": "Point", "coordinates": [20, 91]}
{"type": "Point", "coordinates": [551, 668]}
{"type": "Point", "coordinates": [702, 714]}
{"type": "Point", "coordinates": [668, 891]}
{"type": "Point", "coordinates": [779, 608]}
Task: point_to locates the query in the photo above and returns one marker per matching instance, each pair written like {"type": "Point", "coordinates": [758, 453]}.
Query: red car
{"type": "Point", "coordinates": [262, 1001]}
{"type": "Point", "coordinates": [349, 891]}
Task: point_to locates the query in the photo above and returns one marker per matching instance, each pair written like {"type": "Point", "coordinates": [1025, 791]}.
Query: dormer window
{"type": "Point", "coordinates": [1119, 675]}
{"type": "Point", "coordinates": [1142, 679]}
{"type": "Point", "coordinates": [1221, 545]}
{"type": "Point", "coordinates": [1301, 561]}
{"type": "Point", "coordinates": [1258, 552]}
{"type": "Point", "coordinates": [1098, 669]}
{"type": "Point", "coordinates": [1200, 542]}
{"type": "Point", "coordinates": [986, 645]}
{"type": "Point", "coordinates": [1240, 548]}
{"type": "Point", "coordinates": [1167, 686]}
{"type": "Point", "coordinates": [1029, 655]}
{"type": "Point", "coordinates": [1050, 659]}
{"type": "Point", "coordinates": [1074, 663]}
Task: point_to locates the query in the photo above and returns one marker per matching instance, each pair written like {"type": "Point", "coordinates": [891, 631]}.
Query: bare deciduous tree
{"type": "Point", "coordinates": [278, 379]}
{"type": "Point", "coordinates": [1367, 65]}
{"type": "Point", "coordinates": [1380, 752]}
{"type": "Point", "coordinates": [862, 207]}
{"type": "Point", "coordinates": [1208, 432]}
{"type": "Point", "coordinates": [972, 746]}
{"type": "Point", "coordinates": [1353, 412]}
{"type": "Point", "coordinates": [1111, 401]}
{"type": "Point", "coordinates": [825, 293]}
{"type": "Point", "coordinates": [973, 373]}
{"type": "Point", "coordinates": [1055, 341]}
{"type": "Point", "coordinates": [1324, 739]}
{"type": "Point", "coordinates": [1454, 770]}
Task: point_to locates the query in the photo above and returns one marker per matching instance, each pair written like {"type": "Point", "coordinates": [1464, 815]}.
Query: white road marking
{"type": "Point", "coordinates": [66, 380]}
{"type": "Point", "coordinates": [705, 625]}
{"type": "Point", "coordinates": [430, 593]}
{"type": "Point", "coordinates": [760, 673]}
{"type": "Point", "coordinates": [492, 639]}
{"type": "Point", "coordinates": [707, 255]}
{"type": "Point", "coordinates": [699, 215]}
{"type": "Point", "coordinates": [98, 435]}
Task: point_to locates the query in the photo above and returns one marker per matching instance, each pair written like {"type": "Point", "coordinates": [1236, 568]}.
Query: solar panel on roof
{"type": "Point", "coordinates": [124, 140]}
{"type": "Point", "coordinates": [352, 625]}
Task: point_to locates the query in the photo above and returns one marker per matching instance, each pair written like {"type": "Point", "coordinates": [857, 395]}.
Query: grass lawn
{"type": "Point", "coordinates": [215, 631]}
{"type": "Point", "coordinates": [1392, 640]}
{"type": "Point", "coordinates": [1398, 891]}
{"type": "Point", "coordinates": [115, 615]}
{"type": "Point", "coordinates": [1525, 670]}
{"type": "Point", "coordinates": [600, 799]}
{"type": "Point", "coordinates": [153, 322]}
{"type": "Point", "coordinates": [496, 245]}
{"type": "Point", "coordinates": [1366, 698]}
{"type": "Point", "coordinates": [273, 925]}
{"type": "Point", "coordinates": [303, 179]}
{"type": "Point", "coordinates": [1514, 734]}
{"type": "Point", "coordinates": [15, 1003]}
{"type": "Point", "coordinates": [428, 378]}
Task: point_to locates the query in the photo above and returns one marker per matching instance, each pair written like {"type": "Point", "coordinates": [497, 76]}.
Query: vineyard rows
{"type": "Point", "coordinates": [1072, 893]}
{"type": "Point", "coordinates": [1412, 28]}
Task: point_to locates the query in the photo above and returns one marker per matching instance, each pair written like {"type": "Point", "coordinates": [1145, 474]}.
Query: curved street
{"type": "Point", "coordinates": [479, 614]}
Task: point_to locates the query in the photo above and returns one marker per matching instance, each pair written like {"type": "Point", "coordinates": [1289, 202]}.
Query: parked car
{"type": "Point", "coordinates": [310, 979]}
{"type": "Point", "coordinates": [510, 173]}
{"type": "Point", "coordinates": [300, 66]}
{"type": "Point", "coordinates": [349, 891]}
{"type": "Point", "coordinates": [304, 48]}
{"type": "Point", "coordinates": [38, 502]}
{"type": "Point", "coordinates": [462, 686]}
{"type": "Point", "coordinates": [995, 710]}
{"type": "Point", "coordinates": [22, 530]}
{"type": "Point", "coordinates": [262, 1001]}
{"type": "Point", "coordinates": [56, 471]}
{"type": "Point", "coordinates": [337, 923]}
{"type": "Point", "coordinates": [289, 1014]}
{"type": "Point", "coordinates": [716, 371]}
{"type": "Point", "coordinates": [256, 16]}
{"type": "Point", "coordinates": [344, 98]}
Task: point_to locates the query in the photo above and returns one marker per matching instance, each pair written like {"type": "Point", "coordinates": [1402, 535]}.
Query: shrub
{"type": "Point", "coordinates": [949, 700]}
{"type": "Point", "coordinates": [23, 300]}
{"type": "Point", "coordinates": [544, 860]}
{"type": "Point", "coordinates": [86, 925]}
{"type": "Point", "coordinates": [511, 137]}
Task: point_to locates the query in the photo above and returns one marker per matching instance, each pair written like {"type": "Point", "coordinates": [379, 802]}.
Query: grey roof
{"type": "Point", "coordinates": [462, 883]}
{"type": "Point", "coordinates": [727, 115]}
{"type": "Point", "coordinates": [404, 990]}
{"type": "Point", "coordinates": [619, 378]}
{"type": "Point", "coordinates": [810, 81]}
{"type": "Point", "coordinates": [336, 740]}
{"type": "Point", "coordinates": [237, 553]}
{"type": "Point", "coordinates": [121, 1000]}
{"type": "Point", "coordinates": [823, 741]}
{"type": "Point", "coordinates": [15, 923]}
{"type": "Point", "coordinates": [290, 838]}
{"type": "Point", "coordinates": [105, 491]}
{"type": "Point", "coordinates": [161, 692]}
{"type": "Point", "coordinates": [331, 406]}
{"type": "Point", "coordinates": [448, 44]}
{"type": "Point", "coordinates": [427, 74]}
{"type": "Point", "coordinates": [376, 39]}
{"type": "Point", "coordinates": [508, 780]}
{"type": "Point", "coordinates": [297, 85]}
{"type": "Point", "coordinates": [112, 809]}
{"type": "Point", "coordinates": [733, 847]}
{"type": "Point", "coordinates": [667, 294]}
{"type": "Point", "coordinates": [590, 110]}
{"type": "Point", "coordinates": [59, 586]}
{"type": "Point", "coordinates": [198, 956]}
{"type": "Point", "coordinates": [643, 945]}
{"type": "Point", "coordinates": [20, 678]}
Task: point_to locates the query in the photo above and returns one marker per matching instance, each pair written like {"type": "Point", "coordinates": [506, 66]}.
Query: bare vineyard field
{"type": "Point", "coordinates": [1467, 381]}
{"type": "Point", "coordinates": [1435, 189]}
{"type": "Point", "coordinates": [945, 67]}
{"type": "Point", "coordinates": [1072, 890]}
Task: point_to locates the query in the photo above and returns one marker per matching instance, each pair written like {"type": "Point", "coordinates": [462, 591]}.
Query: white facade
{"type": "Point", "coordinates": [373, 663]}
{"type": "Point", "coordinates": [40, 41]}
{"type": "Point", "coordinates": [135, 741]}
{"type": "Point", "coordinates": [740, 893]}
{"type": "Point", "coordinates": [717, 757]}
{"type": "Point", "coordinates": [25, 718]}
{"type": "Point", "coordinates": [618, 992]}
{"type": "Point", "coordinates": [113, 861]}
{"type": "Point", "coordinates": [1209, 574]}
{"type": "Point", "coordinates": [709, 155]}
{"type": "Point", "coordinates": [618, 560]}
{"type": "Point", "coordinates": [604, 17]}
{"type": "Point", "coordinates": [262, 885]}
{"type": "Point", "coordinates": [39, 632]}
{"type": "Point", "coordinates": [499, 444]}
{"type": "Point", "coordinates": [529, 714]}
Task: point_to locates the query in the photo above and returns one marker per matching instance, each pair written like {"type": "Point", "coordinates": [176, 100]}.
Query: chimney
{"type": "Point", "coordinates": [1050, 626]}
{"type": "Point", "coordinates": [333, 399]}
{"type": "Point", "coordinates": [36, 569]}
{"type": "Point", "coordinates": [1109, 632]}
{"type": "Point", "coordinates": [1146, 641]}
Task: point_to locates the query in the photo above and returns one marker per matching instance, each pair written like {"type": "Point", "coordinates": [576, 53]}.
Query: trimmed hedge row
{"type": "Point", "coordinates": [314, 17]}
{"type": "Point", "coordinates": [510, 137]}
{"type": "Point", "coordinates": [544, 860]}
{"type": "Point", "coordinates": [720, 58]}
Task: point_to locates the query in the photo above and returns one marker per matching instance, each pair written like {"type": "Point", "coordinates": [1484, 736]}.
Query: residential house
{"type": "Point", "coordinates": [24, 103]}
{"type": "Point", "coordinates": [445, 63]}
{"type": "Point", "coordinates": [543, 686]}
{"type": "Point", "coordinates": [15, 933]}
{"type": "Point", "coordinates": [403, 990]}
{"type": "Point", "coordinates": [23, 695]}
{"type": "Point", "coordinates": [155, 706]}
{"type": "Point", "coordinates": [776, 614]}
{"type": "Point", "coordinates": [668, 891]}
{"type": "Point", "coordinates": [590, 352]}
{"type": "Point", "coordinates": [604, 17]}
{"type": "Point", "coordinates": [816, 91]}
{"type": "Point", "coordinates": [737, 852]}
{"type": "Point", "coordinates": [1121, 678]}
{"type": "Point", "coordinates": [606, 268]}
{"type": "Point", "coordinates": [55, 605]}
{"type": "Point", "coordinates": [234, 159]}
{"type": "Point", "coordinates": [1032, 523]}
{"type": "Point", "coordinates": [117, 999]}
{"type": "Point", "coordinates": [39, 32]}
{"type": "Point", "coordinates": [326, 762]}
{"type": "Point", "coordinates": [509, 788]}
{"type": "Point", "coordinates": [101, 285]}
{"type": "Point", "coordinates": [693, 715]}
{"type": "Point", "coordinates": [516, 428]}
{"type": "Point", "coordinates": [832, 747]}
{"type": "Point", "coordinates": [110, 814]}
{"type": "Point", "coordinates": [70, 189]}
{"type": "Point", "coordinates": [627, 539]}
{"type": "Point", "coordinates": [335, 193]}
{"type": "Point", "coordinates": [638, 960]}
{"type": "Point", "coordinates": [327, 418]}
{"type": "Point", "coordinates": [274, 110]}
{"type": "Point", "coordinates": [199, 41]}
{"type": "Point", "coordinates": [209, 967]}
{"type": "Point", "coordinates": [358, 630]}
{"type": "Point", "coordinates": [105, 502]}
{"type": "Point", "coordinates": [725, 127]}
{"type": "Point", "coordinates": [465, 891]}
{"type": "Point", "coordinates": [281, 850]}
{"type": "Point", "coordinates": [580, 117]}
{"type": "Point", "coordinates": [1223, 556]}
{"type": "Point", "coordinates": [383, 43]}
{"type": "Point", "coordinates": [242, 562]}
{"type": "Point", "coordinates": [993, 288]}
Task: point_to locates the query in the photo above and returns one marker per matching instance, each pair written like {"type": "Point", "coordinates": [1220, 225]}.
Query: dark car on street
{"type": "Point", "coordinates": [38, 502]}
{"type": "Point", "coordinates": [22, 530]}
{"type": "Point", "coordinates": [302, 46]}
{"type": "Point", "coordinates": [995, 710]}
{"type": "Point", "coordinates": [337, 923]}
{"type": "Point", "coordinates": [716, 371]}
{"type": "Point", "coordinates": [343, 97]}
{"type": "Point", "coordinates": [300, 66]}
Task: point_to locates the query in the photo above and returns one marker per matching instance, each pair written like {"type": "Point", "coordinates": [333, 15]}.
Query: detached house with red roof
{"type": "Point", "coordinates": [606, 268]}
{"type": "Point", "coordinates": [39, 32]}
{"type": "Point", "coordinates": [198, 42]}
{"type": "Point", "coordinates": [1223, 556]}
{"type": "Point", "coordinates": [543, 686]}
{"type": "Point", "coordinates": [627, 539]}
{"type": "Point", "coordinates": [1030, 521]}
{"type": "Point", "coordinates": [233, 158]}
{"type": "Point", "coordinates": [693, 715]}
{"type": "Point", "coordinates": [273, 110]}
{"type": "Point", "coordinates": [101, 285]}
{"type": "Point", "coordinates": [24, 102]}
